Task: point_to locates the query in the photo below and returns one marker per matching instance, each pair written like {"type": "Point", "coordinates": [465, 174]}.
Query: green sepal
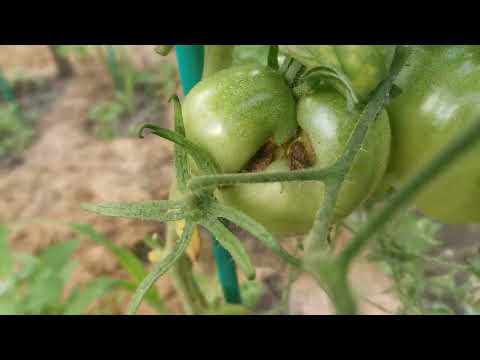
{"type": "Point", "coordinates": [163, 210]}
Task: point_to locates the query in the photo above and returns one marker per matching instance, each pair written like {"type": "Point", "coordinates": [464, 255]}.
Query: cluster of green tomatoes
{"type": "Point", "coordinates": [253, 118]}
{"type": "Point", "coordinates": [276, 131]}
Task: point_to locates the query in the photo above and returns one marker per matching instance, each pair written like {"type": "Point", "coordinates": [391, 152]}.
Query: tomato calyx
{"type": "Point", "coordinates": [322, 76]}
{"type": "Point", "coordinates": [361, 66]}
{"type": "Point", "coordinates": [194, 207]}
{"type": "Point", "coordinates": [304, 82]}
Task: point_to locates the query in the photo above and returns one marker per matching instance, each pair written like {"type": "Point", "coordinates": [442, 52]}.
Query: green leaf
{"type": "Point", "coordinates": [28, 266]}
{"type": "Point", "coordinates": [163, 210]}
{"type": "Point", "coordinates": [6, 256]}
{"type": "Point", "coordinates": [45, 279]}
{"type": "Point", "coordinates": [44, 293]}
{"type": "Point", "coordinates": [57, 256]}
{"type": "Point", "coordinates": [79, 301]}
{"type": "Point", "coordinates": [125, 257]}
{"type": "Point", "coordinates": [201, 157]}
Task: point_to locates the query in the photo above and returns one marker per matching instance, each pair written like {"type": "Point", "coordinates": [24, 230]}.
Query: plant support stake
{"type": "Point", "coordinates": [190, 60]}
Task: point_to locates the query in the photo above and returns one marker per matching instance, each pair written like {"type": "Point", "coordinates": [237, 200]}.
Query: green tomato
{"type": "Point", "coordinates": [234, 112]}
{"type": "Point", "coordinates": [289, 208]}
{"type": "Point", "coordinates": [364, 65]}
{"type": "Point", "coordinates": [440, 99]}
{"type": "Point", "coordinates": [329, 125]}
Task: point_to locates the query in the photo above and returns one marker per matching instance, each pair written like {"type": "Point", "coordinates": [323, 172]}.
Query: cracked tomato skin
{"type": "Point", "coordinates": [234, 112]}
{"type": "Point", "coordinates": [440, 99]}
{"type": "Point", "coordinates": [364, 65]}
{"type": "Point", "coordinates": [289, 208]}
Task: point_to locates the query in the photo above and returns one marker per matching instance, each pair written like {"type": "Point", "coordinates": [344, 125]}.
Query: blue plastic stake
{"type": "Point", "coordinates": [190, 64]}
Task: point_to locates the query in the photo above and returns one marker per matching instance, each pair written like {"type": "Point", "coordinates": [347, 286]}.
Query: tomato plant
{"type": "Point", "coordinates": [440, 99]}
{"type": "Point", "coordinates": [278, 140]}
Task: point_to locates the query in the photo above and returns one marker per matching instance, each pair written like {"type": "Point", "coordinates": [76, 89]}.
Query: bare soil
{"type": "Point", "coordinates": [67, 165]}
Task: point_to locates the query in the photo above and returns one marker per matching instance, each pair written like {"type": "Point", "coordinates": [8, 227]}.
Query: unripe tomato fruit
{"type": "Point", "coordinates": [234, 112]}
{"type": "Point", "coordinates": [289, 208]}
{"type": "Point", "coordinates": [440, 99]}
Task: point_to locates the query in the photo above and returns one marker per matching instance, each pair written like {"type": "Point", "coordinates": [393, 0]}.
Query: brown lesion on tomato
{"type": "Point", "coordinates": [298, 155]}
{"type": "Point", "coordinates": [262, 158]}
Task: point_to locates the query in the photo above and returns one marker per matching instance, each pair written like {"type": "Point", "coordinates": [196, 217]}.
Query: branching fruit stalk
{"type": "Point", "coordinates": [318, 255]}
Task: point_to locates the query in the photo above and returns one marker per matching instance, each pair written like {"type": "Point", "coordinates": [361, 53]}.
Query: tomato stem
{"type": "Point", "coordinates": [273, 57]}
{"type": "Point", "coordinates": [161, 268]}
{"type": "Point", "coordinates": [192, 297]}
{"type": "Point", "coordinates": [199, 182]}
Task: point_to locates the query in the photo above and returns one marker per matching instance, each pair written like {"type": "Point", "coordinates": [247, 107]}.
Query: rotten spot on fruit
{"type": "Point", "coordinates": [298, 157]}
{"type": "Point", "coordinates": [262, 158]}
